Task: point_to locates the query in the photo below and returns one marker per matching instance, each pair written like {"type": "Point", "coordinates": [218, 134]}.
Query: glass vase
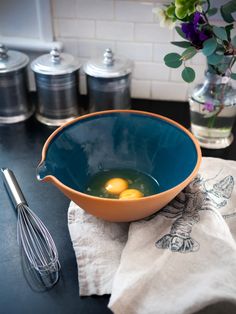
{"type": "Point", "coordinates": [213, 111]}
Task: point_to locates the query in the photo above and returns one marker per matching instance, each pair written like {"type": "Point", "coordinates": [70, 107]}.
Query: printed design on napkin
{"type": "Point", "coordinates": [199, 195]}
{"type": "Point", "coordinates": [220, 191]}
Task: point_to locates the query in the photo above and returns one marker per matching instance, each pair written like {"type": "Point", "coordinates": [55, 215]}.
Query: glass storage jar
{"type": "Point", "coordinates": [14, 98]}
{"type": "Point", "coordinates": [108, 82]}
{"type": "Point", "coordinates": [57, 83]}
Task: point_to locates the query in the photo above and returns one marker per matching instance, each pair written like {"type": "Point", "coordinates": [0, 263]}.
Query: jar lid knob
{"type": "Point", "coordinates": [3, 52]}
{"type": "Point", "coordinates": [108, 57]}
{"type": "Point", "coordinates": [55, 55]}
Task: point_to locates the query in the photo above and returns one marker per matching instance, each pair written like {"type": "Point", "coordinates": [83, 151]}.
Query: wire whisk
{"type": "Point", "coordinates": [32, 235]}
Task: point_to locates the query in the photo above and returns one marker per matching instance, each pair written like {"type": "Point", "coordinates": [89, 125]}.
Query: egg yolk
{"type": "Point", "coordinates": [116, 185]}
{"type": "Point", "coordinates": [130, 194]}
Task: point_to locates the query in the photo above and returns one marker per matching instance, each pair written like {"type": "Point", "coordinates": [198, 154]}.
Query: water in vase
{"type": "Point", "coordinates": [212, 111]}
{"type": "Point", "coordinates": [208, 124]}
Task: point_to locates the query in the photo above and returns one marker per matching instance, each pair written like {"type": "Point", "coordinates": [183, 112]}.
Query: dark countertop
{"type": "Point", "coordinates": [20, 150]}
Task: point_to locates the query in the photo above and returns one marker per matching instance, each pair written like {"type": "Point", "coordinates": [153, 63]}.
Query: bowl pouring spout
{"type": "Point", "coordinates": [42, 171]}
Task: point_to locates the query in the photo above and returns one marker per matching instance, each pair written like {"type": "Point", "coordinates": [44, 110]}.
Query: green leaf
{"type": "Point", "coordinates": [226, 11]}
{"type": "Point", "coordinates": [233, 76]}
{"type": "Point", "coordinates": [182, 44]}
{"type": "Point", "coordinates": [189, 53]}
{"type": "Point", "coordinates": [220, 32]}
{"type": "Point", "coordinates": [211, 69]}
{"type": "Point", "coordinates": [188, 74]}
{"type": "Point", "coordinates": [233, 41]}
{"type": "Point", "coordinates": [220, 50]}
{"type": "Point", "coordinates": [209, 46]}
{"type": "Point", "coordinates": [173, 60]}
{"type": "Point", "coordinates": [214, 59]}
{"type": "Point", "coordinates": [212, 11]}
{"type": "Point", "coordinates": [180, 32]}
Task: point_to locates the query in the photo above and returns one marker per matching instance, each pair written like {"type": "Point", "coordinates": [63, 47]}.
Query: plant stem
{"type": "Point", "coordinates": [211, 121]}
{"type": "Point", "coordinates": [232, 61]}
{"type": "Point", "coordinates": [208, 6]}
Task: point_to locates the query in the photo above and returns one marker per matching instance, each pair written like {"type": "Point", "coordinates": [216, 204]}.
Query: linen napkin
{"type": "Point", "coordinates": [177, 261]}
{"type": "Point", "coordinates": [98, 245]}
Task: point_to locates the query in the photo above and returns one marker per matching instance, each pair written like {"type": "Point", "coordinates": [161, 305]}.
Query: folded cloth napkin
{"type": "Point", "coordinates": [98, 245]}
{"type": "Point", "coordinates": [179, 260]}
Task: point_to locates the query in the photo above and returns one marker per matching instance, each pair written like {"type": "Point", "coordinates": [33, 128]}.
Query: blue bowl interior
{"type": "Point", "coordinates": [120, 140]}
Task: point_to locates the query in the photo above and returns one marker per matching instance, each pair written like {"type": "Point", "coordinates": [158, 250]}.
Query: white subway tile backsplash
{"type": "Point", "coordinates": [76, 28]}
{"type": "Point", "coordinates": [135, 51]}
{"type": "Point", "coordinates": [200, 73]}
{"type": "Point", "coordinates": [177, 37]}
{"type": "Point", "coordinates": [95, 9]}
{"type": "Point", "coordinates": [199, 59]}
{"type": "Point", "coordinates": [56, 28]}
{"type": "Point", "coordinates": [169, 91]}
{"type": "Point", "coordinates": [136, 11]}
{"type": "Point", "coordinates": [233, 84]}
{"type": "Point", "coordinates": [82, 84]}
{"type": "Point", "coordinates": [175, 74]}
{"type": "Point", "coordinates": [67, 28]}
{"type": "Point", "coordinates": [32, 86]}
{"type": "Point", "coordinates": [69, 45]}
{"type": "Point", "coordinates": [114, 30]}
{"type": "Point", "coordinates": [62, 8]}
{"type": "Point", "coordinates": [85, 28]}
{"type": "Point", "coordinates": [140, 89]}
{"type": "Point", "coordinates": [150, 71]}
{"type": "Point", "coordinates": [151, 32]}
{"type": "Point", "coordinates": [160, 50]}
{"type": "Point", "coordinates": [93, 48]}
{"type": "Point", "coordinates": [129, 28]}
{"type": "Point", "coordinates": [82, 62]}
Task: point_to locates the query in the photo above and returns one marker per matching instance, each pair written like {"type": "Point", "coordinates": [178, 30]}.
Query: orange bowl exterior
{"type": "Point", "coordinates": [116, 210]}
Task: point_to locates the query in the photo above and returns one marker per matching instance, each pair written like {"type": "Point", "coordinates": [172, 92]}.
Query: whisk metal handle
{"type": "Point", "coordinates": [13, 187]}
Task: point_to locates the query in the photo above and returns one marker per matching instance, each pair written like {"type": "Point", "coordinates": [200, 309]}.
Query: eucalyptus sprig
{"type": "Point", "coordinates": [200, 35]}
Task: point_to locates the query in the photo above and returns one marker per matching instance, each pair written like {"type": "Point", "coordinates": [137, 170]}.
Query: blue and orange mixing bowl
{"type": "Point", "coordinates": [117, 139]}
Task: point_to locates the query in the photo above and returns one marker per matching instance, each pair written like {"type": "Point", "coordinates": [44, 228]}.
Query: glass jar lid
{"type": "Point", "coordinates": [109, 66]}
{"type": "Point", "coordinates": [11, 60]}
{"type": "Point", "coordinates": [55, 63]}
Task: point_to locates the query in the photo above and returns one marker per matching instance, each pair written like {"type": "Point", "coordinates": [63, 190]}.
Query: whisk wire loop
{"type": "Point", "coordinates": [36, 241]}
{"type": "Point", "coordinates": [32, 235]}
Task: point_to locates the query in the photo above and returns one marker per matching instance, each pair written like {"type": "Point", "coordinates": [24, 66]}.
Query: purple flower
{"type": "Point", "coordinates": [208, 106]}
{"type": "Point", "coordinates": [203, 36]}
{"type": "Point", "coordinates": [197, 19]}
{"type": "Point", "coordinates": [194, 30]}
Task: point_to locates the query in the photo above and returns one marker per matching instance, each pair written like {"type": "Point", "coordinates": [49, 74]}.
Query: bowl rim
{"type": "Point", "coordinates": [62, 186]}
